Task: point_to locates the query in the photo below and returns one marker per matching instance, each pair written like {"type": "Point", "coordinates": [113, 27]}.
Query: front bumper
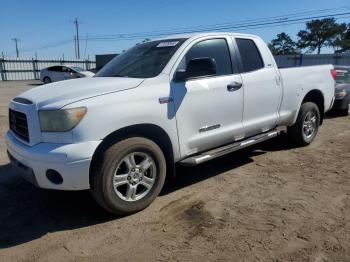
{"type": "Point", "coordinates": [71, 161]}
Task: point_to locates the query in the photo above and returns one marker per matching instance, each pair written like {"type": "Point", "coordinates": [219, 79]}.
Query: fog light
{"type": "Point", "coordinates": [54, 177]}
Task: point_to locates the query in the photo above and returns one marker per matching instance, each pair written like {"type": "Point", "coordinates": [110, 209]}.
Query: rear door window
{"type": "Point", "coordinates": [55, 68]}
{"type": "Point", "coordinates": [250, 55]}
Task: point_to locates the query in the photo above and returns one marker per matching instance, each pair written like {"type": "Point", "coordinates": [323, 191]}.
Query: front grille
{"type": "Point", "coordinates": [18, 124]}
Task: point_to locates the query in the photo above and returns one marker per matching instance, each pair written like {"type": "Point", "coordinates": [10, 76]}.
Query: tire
{"type": "Point", "coordinates": [124, 186]}
{"type": "Point", "coordinates": [47, 80]}
{"type": "Point", "coordinates": [305, 129]}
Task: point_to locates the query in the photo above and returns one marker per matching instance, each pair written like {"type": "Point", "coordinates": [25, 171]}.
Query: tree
{"type": "Point", "coordinates": [283, 45]}
{"type": "Point", "coordinates": [342, 42]}
{"type": "Point", "coordinates": [319, 34]}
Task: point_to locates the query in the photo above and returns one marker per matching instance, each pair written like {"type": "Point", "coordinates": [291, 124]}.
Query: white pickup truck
{"type": "Point", "coordinates": [183, 99]}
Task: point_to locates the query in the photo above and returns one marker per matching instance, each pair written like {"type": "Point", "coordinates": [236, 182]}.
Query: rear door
{"type": "Point", "coordinates": [208, 111]}
{"type": "Point", "coordinates": [262, 88]}
{"type": "Point", "coordinates": [52, 73]}
{"type": "Point", "coordinates": [56, 73]}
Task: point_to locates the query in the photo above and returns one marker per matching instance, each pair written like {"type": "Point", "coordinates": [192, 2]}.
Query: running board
{"type": "Point", "coordinates": [214, 153]}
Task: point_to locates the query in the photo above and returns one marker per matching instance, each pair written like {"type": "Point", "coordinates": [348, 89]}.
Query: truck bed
{"type": "Point", "coordinates": [297, 82]}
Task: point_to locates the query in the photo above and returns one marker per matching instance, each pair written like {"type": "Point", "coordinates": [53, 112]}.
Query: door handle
{"type": "Point", "coordinates": [234, 86]}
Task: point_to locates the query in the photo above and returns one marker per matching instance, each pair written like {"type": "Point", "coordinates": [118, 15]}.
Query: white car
{"type": "Point", "coordinates": [183, 99]}
{"type": "Point", "coordinates": [59, 73]}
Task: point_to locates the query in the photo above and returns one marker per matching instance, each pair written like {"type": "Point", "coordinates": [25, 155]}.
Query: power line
{"type": "Point", "coordinates": [287, 19]}
{"type": "Point", "coordinates": [257, 26]}
{"type": "Point", "coordinates": [283, 24]}
{"type": "Point", "coordinates": [47, 46]}
{"type": "Point", "coordinates": [242, 26]}
{"type": "Point", "coordinates": [16, 40]}
{"type": "Point", "coordinates": [222, 26]}
{"type": "Point", "coordinates": [50, 45]}
{"type": "Point", "coordinates": [268, 23]}
{"type": "Point", "coordinates": [218, 28]}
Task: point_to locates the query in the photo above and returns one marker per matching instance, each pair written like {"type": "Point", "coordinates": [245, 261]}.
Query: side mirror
{"type": "Point", "coordinates": [197, 67]}
{"type": "Point", "coordinates": [180, 76]}
{"type": "Point", "coordinates": [201, 67]}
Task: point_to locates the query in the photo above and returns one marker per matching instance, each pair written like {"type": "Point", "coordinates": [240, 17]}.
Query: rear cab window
{"type": "Point", "coordinates": [250, 55]}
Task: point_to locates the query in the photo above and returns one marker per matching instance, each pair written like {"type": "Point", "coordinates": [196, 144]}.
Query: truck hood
{"type": "Point", "coordinates": [57, 95]}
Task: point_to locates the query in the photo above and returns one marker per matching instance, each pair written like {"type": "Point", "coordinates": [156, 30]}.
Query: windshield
{"type": "Point", "coordinates": [142, 61]}
{"type": "Point", "coordinates": [343, 76]}
{"type": "Point", "coordinates": [78, 69]}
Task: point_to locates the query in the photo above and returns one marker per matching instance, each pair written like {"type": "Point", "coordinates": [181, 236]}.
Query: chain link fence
{"type": "Point", "coordinates": [29, 69]}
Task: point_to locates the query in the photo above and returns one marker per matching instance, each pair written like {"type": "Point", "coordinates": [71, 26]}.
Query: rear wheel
{"type": "Point", "coordinates": [47, 80]}
{"type": "Point", "coordinates": [130, 176]}
{"type": "Point", "coordinates": [305, 129]}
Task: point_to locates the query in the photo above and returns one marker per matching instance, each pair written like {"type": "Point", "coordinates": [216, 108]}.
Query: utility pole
{"type": "Point", "coordinates": [75, 47]}
{"type": "Point", "coordinates": [16, 40]}
{"type": "Point", "coordinates": [86, 43]}
{"type": "Point", "coordinates": [76, 22]}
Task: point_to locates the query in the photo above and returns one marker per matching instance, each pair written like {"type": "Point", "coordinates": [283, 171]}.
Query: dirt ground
{"type": "Point", "coordinates": [273, 202]}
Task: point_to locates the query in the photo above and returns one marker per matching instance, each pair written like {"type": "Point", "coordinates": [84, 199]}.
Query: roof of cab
{"type": "Point", "coordinates": [203, 34]}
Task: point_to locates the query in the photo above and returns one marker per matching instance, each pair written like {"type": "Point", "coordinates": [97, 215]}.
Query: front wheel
{"type": "Point", "coordinates": [130, 176]}
{"type": "Point", "coordinates": [305, 129]}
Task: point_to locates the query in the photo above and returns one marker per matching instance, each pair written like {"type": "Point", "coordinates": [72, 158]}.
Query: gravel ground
{"type": "Point", "coordinates": [272, 202]}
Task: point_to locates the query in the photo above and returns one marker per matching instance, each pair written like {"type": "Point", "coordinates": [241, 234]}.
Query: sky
{"type": "Point", "coordinates": [42, 24]}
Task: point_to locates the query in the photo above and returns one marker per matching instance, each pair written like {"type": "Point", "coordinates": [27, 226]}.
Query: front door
{"type": "Point", "coordinates": [208, 109]}
{"type": "Point", "coordinates": [67, 73]}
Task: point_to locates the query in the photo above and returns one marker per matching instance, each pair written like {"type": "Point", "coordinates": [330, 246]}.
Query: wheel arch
{"type": "Point", "coordinates": [317, 97]}
{"type": "Point", "coordinates": [150, 131]}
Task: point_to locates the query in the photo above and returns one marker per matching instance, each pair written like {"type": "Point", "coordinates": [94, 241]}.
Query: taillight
{"type": "Point", "coordinates": [334, 73]}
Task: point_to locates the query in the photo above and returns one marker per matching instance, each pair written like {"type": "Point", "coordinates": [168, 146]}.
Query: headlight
{"type": "Point", "coordinates": [60, 120]}
{"type": "Point", "coordinates": [340, 94]}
